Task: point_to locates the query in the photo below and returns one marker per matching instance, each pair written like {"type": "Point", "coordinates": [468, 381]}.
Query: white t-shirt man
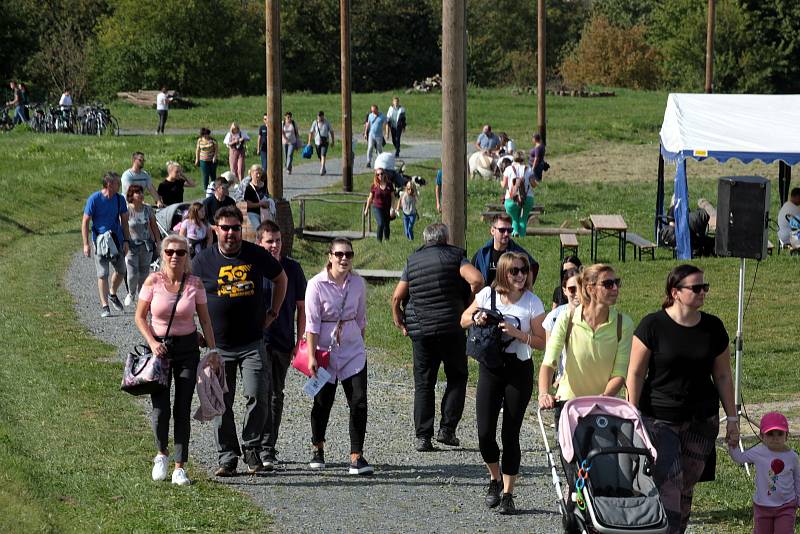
{"type": "Point", "coordinates": [130, 177]}
{"type": "Point", "coordinates": [518, 314]}
{"type": "Point", "coordinates": [162, 101]}
{"type": "Point", "coordinates": [787, 211]}
{"type": "Point", "coordinates": [66, 101]}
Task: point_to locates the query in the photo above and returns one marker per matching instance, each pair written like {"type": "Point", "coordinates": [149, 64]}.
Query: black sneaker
{"type": "Point", "coordinates": [360, 467]}
{"type": "Point", "coordinates": [114, 301]}
{"type": "Point", "coordinates": [105, 312]}
{"type": "Point", "coordinates": [507, 505]}
{"type": "Point", "coordinates": [253, 462]}
{"type": "Point", "coordinates": [268, 460]}
{"type": "Point", "coordinates": [318, 460]}
{"type": "Point", "coordinates": [448, 437]}
{"type": "Point", "coordinates": [424, 445]}
{"type": "Point", "coordinates": [493, 493]}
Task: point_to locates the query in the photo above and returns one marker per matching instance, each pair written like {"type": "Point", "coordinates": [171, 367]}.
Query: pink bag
{"type": "Point", "coordinates": [300, 360]}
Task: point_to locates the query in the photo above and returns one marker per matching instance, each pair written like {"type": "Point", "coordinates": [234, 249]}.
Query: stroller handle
{"type": "Point", "coordinates": [618, 450]}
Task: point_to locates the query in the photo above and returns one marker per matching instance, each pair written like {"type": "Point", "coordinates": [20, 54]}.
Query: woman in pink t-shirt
{"type": "Point", "coordinates": [157, 297]}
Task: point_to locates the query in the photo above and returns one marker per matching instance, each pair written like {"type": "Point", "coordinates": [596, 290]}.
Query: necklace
{"type": "Point", "coordinates": [226, 256]}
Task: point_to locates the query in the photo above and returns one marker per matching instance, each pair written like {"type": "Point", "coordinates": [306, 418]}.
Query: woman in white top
{"type": "Point", "coordinates": [235, 140]}
{"type": "Point", "coordinates": [519, 193]}
{"type": "Point", "coordinates": [289, 138]}
{"type": "Point", "coordinates": [407, 205]}
{"type": "Point", "coordinates": [509, 386]}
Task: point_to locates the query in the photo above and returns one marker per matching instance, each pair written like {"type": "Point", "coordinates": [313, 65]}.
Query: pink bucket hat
{"type": "Point", "coordinates": [774, 421]}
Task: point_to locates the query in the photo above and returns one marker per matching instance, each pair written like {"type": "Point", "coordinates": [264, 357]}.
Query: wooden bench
{"type": "Point", "coordinates": [569, 243]}
{"type": "Point", "coordinates": [378, 275]}
{"type": "Point", "coordinates": [640, 244]}
{"type": "Point", "coordinates": [554, 230]}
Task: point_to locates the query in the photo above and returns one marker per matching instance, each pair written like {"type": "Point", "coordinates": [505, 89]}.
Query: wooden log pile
{"type": "Point", "coordinates": [147, 99]}
{"type": "Point", "coordinates": [427, 85]}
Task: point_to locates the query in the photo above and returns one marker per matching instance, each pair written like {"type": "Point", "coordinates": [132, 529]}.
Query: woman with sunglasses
{"type": "Point", "coordinates": [336, 317]}
{"type": "Point", "coordinates": [560, 298]}
{"type": "Point", "coordinates": [679, 372]}
{"type": "Point", "coordinates": [569, 288]}
{"type": "Point", "coordinates": [157, 298]}
{"type": "Point", "coordinates": [510, 386]}
{"type": "Point", "coordinates": [597, 339]}
{"type": "Point", "coordinates": [380, 198]}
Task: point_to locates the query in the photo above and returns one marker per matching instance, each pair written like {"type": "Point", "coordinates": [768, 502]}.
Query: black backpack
{"type": "Point", "coordinates": [484, 343]}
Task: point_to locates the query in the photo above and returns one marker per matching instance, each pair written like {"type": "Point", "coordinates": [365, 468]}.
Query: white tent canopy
{"type": "Point", "coordinates": [746, 127]}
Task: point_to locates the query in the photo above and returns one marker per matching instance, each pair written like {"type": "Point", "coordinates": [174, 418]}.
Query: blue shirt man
{"type": "Point", "coordinates": [487, 140]}
{"type": "Point", "coordinates": [374, 128]}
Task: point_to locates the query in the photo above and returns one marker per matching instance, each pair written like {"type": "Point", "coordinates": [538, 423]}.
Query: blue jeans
{"type": "Point", "coordinates": [288, 151]}
{"type": "Point", "coordinates": [19, 115]}
{"type": "Point", "coordinates": [208, 170]}
{"type": "Point", "coordinates": [408, 225]}
{"type": "Point", "coordinates": [263, 155]}
{"type": "Point", "coordinates": [382, 221]}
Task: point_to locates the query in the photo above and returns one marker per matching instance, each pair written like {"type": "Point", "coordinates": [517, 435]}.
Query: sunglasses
{"type": "Point", "coordinates": [180, 252]}
{"type": "Point", "coordinates": [697, 288]}
{"type": "Point", "coordinates": [610, 283]}
{"type": "Point", "coordinates": [517, 270]}
{"type": "Point", "coordinates": [503, 229]}
{"type": "Point", "coordinates": [230, 227]}
{"type": "Point", "coordinates": [342, 254]}
{"type": "Point", "coordinates": [572, 289]}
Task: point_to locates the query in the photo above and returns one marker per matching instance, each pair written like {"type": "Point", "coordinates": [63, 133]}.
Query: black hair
{"type": "Point", "coordinates": [231, 212]}
{"type": "Point", "coordinates": [674, 278]}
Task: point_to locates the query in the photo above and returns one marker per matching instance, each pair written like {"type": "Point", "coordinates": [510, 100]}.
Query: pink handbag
{"type": "Point", "coordinates": [300, 360]}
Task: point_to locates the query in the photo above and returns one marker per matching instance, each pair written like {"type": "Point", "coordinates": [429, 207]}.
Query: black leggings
{"type": "Point", "coordinates": [509, 386]}
{"type": "Point", "coordinates": [355, 389]}
{"type": "Point", "coordinates": [183, 360]}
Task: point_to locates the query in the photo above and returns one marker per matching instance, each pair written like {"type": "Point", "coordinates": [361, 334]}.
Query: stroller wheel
{"type": "Point", "coordinates": [568, 520]}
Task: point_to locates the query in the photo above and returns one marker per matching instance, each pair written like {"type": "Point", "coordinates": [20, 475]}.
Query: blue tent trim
{"type": "Point", "coordinates": [723, 156]}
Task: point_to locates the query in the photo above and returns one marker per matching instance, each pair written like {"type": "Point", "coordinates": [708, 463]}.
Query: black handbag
{"type": "Point", "coordinates": [484, 342]}
{"type": "Point", "coordinates": [144, 372]}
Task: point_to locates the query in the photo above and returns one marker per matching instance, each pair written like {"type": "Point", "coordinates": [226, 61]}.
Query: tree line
{"type": "Point", "coordinates": [216, 47]}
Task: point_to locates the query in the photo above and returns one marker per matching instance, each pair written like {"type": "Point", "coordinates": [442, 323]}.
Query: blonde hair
{"type": "Point", "coordinates": [589, 277]}
{"type": "Point", "coordinates": [235, 125]}
{"type": "Point", "coordinates": [171, 164]}
{"type": "Point", "coordinates": [504, 265]}
{"type": "Point", "coordinates": [176, 238]}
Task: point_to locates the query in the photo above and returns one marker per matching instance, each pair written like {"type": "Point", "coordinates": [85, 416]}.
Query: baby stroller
{"type": "Point", "coordinates": [607, 457]}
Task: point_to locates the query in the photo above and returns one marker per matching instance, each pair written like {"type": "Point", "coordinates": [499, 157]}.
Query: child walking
{"type": "Point", "coordinates": [777, 492]}
{"type": "Point", "coordinates": [408, 205]}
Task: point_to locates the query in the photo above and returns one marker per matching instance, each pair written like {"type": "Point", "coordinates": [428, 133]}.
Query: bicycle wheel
{"type": "Point", "coordinates": [112, 126]}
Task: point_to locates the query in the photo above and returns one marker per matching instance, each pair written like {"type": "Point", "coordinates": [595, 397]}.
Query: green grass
{"type": "Point", "coordinates": [75, 452]}
{"type": "Point", "coordinates": [574, 124]}
{"type": "Point", "coordinates": [62, 418]}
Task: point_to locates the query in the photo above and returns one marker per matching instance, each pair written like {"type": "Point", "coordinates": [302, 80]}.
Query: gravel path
{"type": "Point", "coordinates": [439, 491]}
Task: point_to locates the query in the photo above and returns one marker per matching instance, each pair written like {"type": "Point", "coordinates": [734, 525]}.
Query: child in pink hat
{"type": "Point", "coordinates": [777, 494]}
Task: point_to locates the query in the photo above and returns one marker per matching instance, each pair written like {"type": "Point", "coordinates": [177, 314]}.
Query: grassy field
{"type": "Point", "coordinates": [74, 452]}
{"type": "Point", "coordinates": [574, 124]}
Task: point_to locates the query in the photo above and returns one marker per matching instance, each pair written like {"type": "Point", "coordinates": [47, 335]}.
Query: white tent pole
{"type": "Point", "coordinates": [737, 394]}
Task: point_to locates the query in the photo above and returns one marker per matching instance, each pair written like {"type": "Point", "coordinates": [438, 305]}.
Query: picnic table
{"type": "Point", "coordinates": [604, 226]}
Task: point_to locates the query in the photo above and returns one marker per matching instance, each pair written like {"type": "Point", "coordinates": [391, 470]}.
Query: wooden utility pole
{"type": "Point", "coordinates": [541, 113]}
{"type": "Point", "coordinates": [454, 120]}
{"type": "Point", "coordinates": [710, 47]}
{"type": "Point", "coordinates": [347, 105]}
{"type": "Point", "coordinates": [274, 170]}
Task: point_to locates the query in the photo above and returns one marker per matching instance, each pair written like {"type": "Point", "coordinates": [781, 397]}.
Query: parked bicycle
{"type": "Point", "coordinates": [97, 119]}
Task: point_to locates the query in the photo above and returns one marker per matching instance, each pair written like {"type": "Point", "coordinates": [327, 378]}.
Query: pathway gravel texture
{"type": "Point", "coordinates": [439, 491]}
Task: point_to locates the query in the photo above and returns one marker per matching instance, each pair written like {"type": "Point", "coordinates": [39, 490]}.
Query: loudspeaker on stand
{"type": "Point", "coordinates": [742, 217]}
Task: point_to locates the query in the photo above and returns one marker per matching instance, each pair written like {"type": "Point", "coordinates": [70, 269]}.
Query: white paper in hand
{"type": "Point", "coordinates": [314, 384]}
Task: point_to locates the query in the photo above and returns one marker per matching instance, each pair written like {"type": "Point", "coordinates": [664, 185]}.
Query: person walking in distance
{"type": "Point", "coordinates": [396, 118]}
{"type": "Point", "coordinates": [322, 135]}
{"type": "Point", "coordinates": [279, 338]}
{"type": "Point", "coordinates": [108, 213]}
{"type": "Point", "coordinates": [163, 101]}
{"type": "Point", "coordinates": [137, 175]}
{"type": "Point", "coordinates": [373, 133]}
{"type": "Point", "coordinates": [427, 304]}
{"type": "Point", "coordinates": [233, 273]}
{"type": "Point", "coordinates": [262, 143]}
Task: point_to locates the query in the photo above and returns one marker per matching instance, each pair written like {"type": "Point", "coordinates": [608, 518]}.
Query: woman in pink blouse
{"type": "Point", "coordinates": [157, 297]}
{"type": "Point", "coordinates": [336, 303]}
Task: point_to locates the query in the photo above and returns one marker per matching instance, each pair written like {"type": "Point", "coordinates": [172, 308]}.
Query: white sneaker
{"type": "Point", "coordinates": [129, 299]}
{"type": "Point", "coordinates": [179, 477]}
{"type": "Point", "coordinates": [160, 464]}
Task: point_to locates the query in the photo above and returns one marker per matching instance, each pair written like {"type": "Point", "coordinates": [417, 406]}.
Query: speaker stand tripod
{"type": "Point", "coordinates": [737, 394]}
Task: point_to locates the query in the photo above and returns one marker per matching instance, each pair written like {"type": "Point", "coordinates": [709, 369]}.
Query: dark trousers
{"type": "Point", "coordinates": [278, 362]}
{"type": "Point", "coordinates": [429, 353]}
{"type": "Point", "coordinates": [162, 120]}
{"type": "Point", "coordinates": [208, 169]}
{"type": "Point", "coordinates": [250, 361]}
{"type": "Point", "coordinates": [396, 133]}
{"type": "Point", "coordinates": [355, 389]}
{"type": "Point", "coordinates": [263, 155]}
{"type": "Point", "coordinates": [183, 371]}
{"type": "Point", "coordinates": [382, 222]}
{"type": "Point", "coordinates": [509, 386]}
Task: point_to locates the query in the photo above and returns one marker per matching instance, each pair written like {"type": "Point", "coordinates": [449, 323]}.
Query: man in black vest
{"type": "Point", "coordinates": [433, 292]}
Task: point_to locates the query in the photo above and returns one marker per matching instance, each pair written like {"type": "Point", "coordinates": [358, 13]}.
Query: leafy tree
{"type": "Point", "coordinates": [612, 55]}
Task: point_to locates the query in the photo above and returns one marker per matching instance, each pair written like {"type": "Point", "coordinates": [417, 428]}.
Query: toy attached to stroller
{"type": "Point", "coordinates": [607, 457]}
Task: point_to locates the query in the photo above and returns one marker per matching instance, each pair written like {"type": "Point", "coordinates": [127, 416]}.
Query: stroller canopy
{"type": "Point", "coordinates": [745, 127]}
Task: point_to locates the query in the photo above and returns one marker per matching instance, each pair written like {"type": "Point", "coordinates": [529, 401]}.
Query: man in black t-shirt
{"type": "Point", "coordinates": [233, 274]}
{"type": "Point", "coordinates": [279, 338]}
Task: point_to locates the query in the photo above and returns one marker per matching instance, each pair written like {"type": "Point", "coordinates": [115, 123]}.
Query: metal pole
{"type": "Point", "coordinates": [710, 47]}
{"type": "Point", "coordinates": [737, 394]}
{"type": "Point", "coordinates": [454, 120]}
{"type": "Point", "coordinates": [541, 117]}
{"type": "Point", "coordinates": [347, 119]}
